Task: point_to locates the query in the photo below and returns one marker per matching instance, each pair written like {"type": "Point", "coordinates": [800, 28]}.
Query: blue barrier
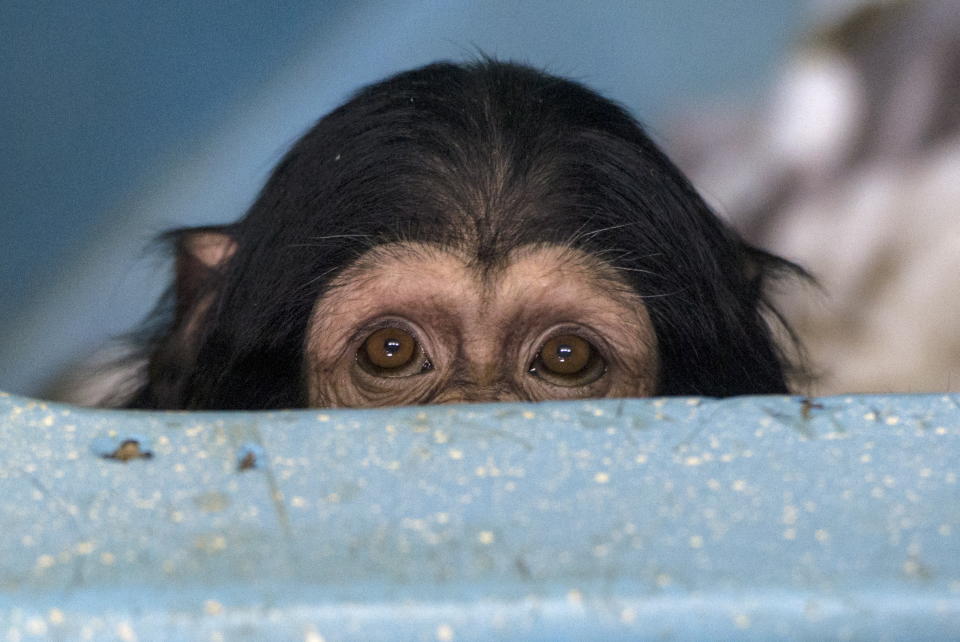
{"type": "Point", "coordinates": [749, 518]}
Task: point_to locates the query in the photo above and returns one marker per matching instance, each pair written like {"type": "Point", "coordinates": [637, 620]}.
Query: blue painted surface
{"type": "Point", "coordinates": [619, 519]}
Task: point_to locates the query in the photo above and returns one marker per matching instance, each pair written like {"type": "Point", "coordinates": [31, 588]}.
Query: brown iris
{"type": "Point", "coordinates": [568, 360]}
{"type": "Point", "coordinates": [390, 348]}
{"type": "Point", "coordinates": [566, 354]}
{"type": "Point", "coordinates": [392, 352]}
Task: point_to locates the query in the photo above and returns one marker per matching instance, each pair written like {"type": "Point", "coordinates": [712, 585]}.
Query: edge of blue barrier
{"type": "Point", "coordinates": [686, 518]}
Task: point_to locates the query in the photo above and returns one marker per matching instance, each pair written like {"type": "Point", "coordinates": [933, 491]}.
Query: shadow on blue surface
{"type": "Point", "coordinates": [676, 518]}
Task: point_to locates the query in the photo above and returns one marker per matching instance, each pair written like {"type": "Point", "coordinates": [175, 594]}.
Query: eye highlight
{"type": "Point", "coordinates": [568, 360]}
{"type": "Point", "coordinates": [392, 352]}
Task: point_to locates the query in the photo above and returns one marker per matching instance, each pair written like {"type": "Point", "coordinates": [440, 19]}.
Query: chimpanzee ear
{"type": "Point", "coordinates": [201, 254]}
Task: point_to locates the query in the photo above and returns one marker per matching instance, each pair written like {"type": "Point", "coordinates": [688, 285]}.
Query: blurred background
{"type": "Point", "coordinates": [824, 131]}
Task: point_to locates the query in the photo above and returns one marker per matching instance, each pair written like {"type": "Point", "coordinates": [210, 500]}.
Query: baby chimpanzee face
{"type": "Point", "coordinates": [412, 323]}
{"type": "Point", "coordinates": [470, 232]}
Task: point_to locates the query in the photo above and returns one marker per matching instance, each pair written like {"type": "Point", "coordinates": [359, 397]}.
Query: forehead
{"type": "Point", "coordinates": [436, 271]}
{"type": "Point", "coordinates": [444, 288]}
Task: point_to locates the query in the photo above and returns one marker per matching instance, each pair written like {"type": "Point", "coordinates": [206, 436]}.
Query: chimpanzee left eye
{"type": "Point", "coordinates": [393, 352]}
{"type": "Point", "coordinates": [568, 360]}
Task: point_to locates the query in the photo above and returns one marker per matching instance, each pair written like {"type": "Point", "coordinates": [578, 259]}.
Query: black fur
{"type": "Point", "coordinates": [489, 156]}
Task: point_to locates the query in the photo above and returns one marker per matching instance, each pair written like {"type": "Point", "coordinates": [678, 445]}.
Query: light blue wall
{"type": "Point", "coordinates": [121, 119]}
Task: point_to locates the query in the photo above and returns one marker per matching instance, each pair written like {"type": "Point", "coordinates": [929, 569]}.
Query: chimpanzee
{"type": "Point", "coordinates": [466, 232]}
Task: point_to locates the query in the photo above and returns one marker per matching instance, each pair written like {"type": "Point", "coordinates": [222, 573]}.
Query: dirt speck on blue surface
{"type": "Point", "coordinates": [127, 450]}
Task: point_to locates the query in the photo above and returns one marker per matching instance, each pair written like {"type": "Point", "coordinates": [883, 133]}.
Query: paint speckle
{"type": "Point", "coordinates": [529, 414]}
{"type": "Point", "coordinates": [574, 597]}
{"type": "Point", "coordinates": [455, 453]}
{"type": "Point", "coordinates": [36, 626]}
{"type": "Point", "coordinates": [125, 632]}
{"type": "Point", "coordinates": [313, 636]}
{"type": "Point", "coordinates": [741, 621]}
{"type": "Point", "coordinates": [485, 537]}
{"type": "Point", "coordinates": [84, 548]}
{"type": "Point", "coordinates": [696, 541]}
{"type": "Point", "coordinates": [56, 617]}
{"type": "Point", "coordinates": [212, 607]}
{"type": "Point", "coordinates": [444, 632]}
{"type": "Point", "coordinates": [45, 561]}
{"type": "Point", "coordinates": [601, 478]}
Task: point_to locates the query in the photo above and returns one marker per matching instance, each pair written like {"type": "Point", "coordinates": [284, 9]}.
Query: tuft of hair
{"type": "Point", "coordinates": [485, 156]}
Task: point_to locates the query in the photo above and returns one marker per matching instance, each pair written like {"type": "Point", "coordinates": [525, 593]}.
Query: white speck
{"type": "Point", "coordinates": [55, 616]}
{"type": "Point", "coordinates": [601, 478]}
{"type": "Point", "coordinates": [212, 607]}
{"type": "Point", "coordinates": [313, 636]}
{"type": "Point", "coordinates": [455, 453]}
{"type": "Point", "coordinates": [36, 626]}
{"type": "Point", "coordinates": [892, 420]}
{"type": "Point", "coordinates": [485, 537]}
{"type": "Point", "coordinates": [45, 561]}
{"type": "Point", "coordinates": [85, 548]}
{"type": "Point", "coordinates": [696, 541]}
{"type": "Point", "coordinates": [444, 632]}
{"type": "Point", "coordinates": [741, 621]}
{"type": "Point", "coordinates": [575, 597]}
{"type": "Point", "coordinates": [323, 417]}
{"type": "Point", "coordinates": [126, 633]}
{"type": "Point", "coordinates": [527, 414]}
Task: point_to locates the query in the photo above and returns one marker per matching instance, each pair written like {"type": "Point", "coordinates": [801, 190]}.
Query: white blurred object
{"type": "Point", "coordinates": [851, 167]}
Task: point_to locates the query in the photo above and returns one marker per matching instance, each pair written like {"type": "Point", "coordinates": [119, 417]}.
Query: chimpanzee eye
{"type": "Point", "coordinates": [568, 360]}
{"type": "Point", "coordinates": [392, 352]}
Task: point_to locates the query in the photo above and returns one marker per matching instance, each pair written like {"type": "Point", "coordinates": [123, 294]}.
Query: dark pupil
{"type": "Point", "coordinates": [564, 352]}
{"type": "Point", "coordinates": [391, 347]}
